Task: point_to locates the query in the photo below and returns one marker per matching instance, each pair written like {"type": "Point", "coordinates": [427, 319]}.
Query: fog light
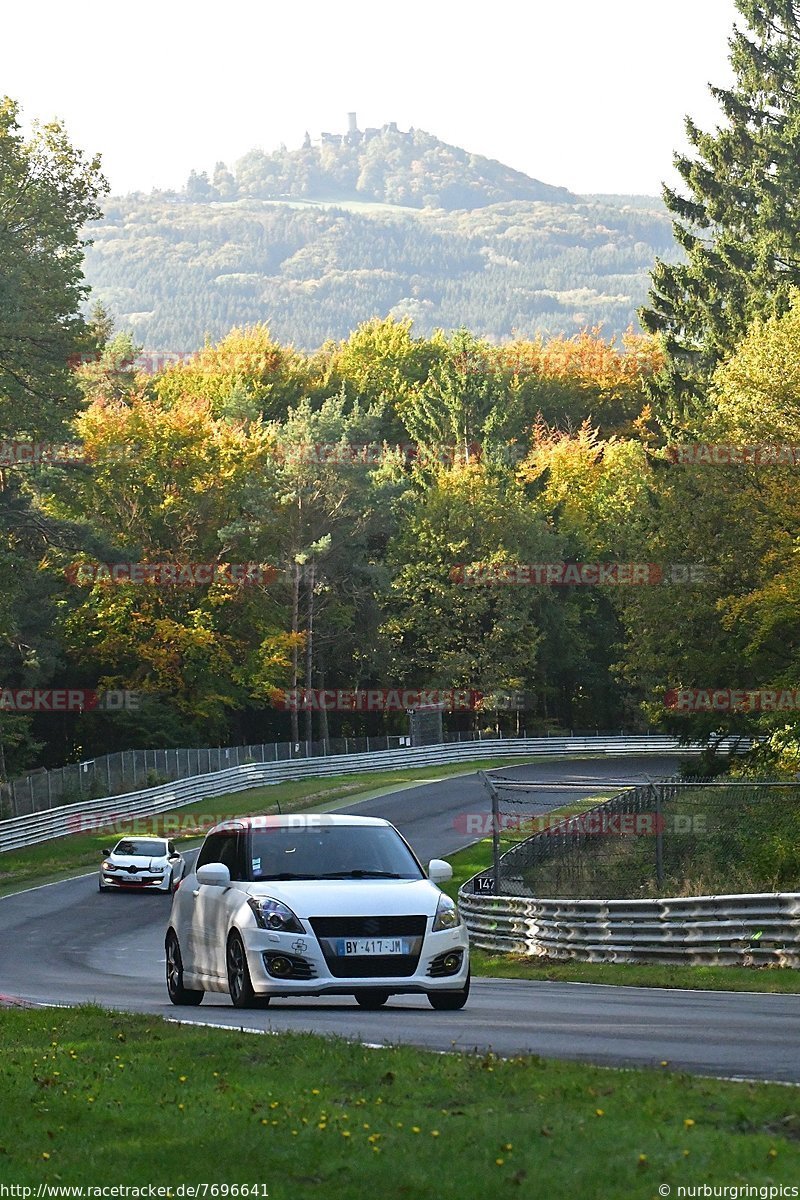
{"type": "Point", "coordinates": [451, 962]}
{"type": "Point", "coordinates": [280, 966]}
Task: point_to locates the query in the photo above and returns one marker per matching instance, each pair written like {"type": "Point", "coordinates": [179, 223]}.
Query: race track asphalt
{"type": "Point", "coordinates": [65, 943]}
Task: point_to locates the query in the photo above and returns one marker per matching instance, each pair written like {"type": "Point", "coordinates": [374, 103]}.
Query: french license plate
{"type": "Point", "coordinates": [365, 946]}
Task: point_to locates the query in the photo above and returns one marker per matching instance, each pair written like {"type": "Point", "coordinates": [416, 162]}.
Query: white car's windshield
{"type": "Point", "coordinates": [142, 847]}
{"type": "Point", "coordinates": [343, 852]}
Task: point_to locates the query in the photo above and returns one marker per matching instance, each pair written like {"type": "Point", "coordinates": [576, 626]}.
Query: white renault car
{"type": "Point", "coordinates": [141, 864]}
{"type": "Point", "coordinates": [311, 906]}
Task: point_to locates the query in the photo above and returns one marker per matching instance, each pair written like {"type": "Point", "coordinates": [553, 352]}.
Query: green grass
{"type": "Point", "coordinates": [97, 1098]}
{"type": "Point", "coordinates": [63, 857]}
{"type": "Point", "coordinates": [748, 841]}
{"type": "Point", "coordinates": [478, 857]}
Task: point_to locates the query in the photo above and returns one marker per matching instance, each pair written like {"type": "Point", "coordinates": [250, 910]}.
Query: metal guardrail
{"type": "Point", "coordinates": [132, 770]}
{"type": "Point", "coordinates": [746, 930]}
{"type": "Point", "coordinates": [34, 828]}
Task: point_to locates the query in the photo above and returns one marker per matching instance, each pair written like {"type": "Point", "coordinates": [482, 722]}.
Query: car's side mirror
{"type": "Point", "coordinates": [439, 871]}
{"type": "Point", "coordinates": [105, 853]}
{"type": "Point", "coordinates": [214, 874]}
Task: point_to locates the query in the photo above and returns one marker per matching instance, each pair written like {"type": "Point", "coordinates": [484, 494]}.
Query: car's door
{"type": "Point", "coordinates": [201, 904]}
{"type": "Point", "coordinates": [213, 906]}
{"type": "Point", "coordinates": [175, 861]}
{"type": "Point", "coordinates": [228, 901]}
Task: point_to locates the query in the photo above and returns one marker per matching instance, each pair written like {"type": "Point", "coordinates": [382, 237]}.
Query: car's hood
{"type": "Point", "coordinates": [352, 897]}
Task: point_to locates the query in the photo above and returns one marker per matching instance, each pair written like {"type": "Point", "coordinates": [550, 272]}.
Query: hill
{"type": "Point", "coordinates": [319, 239]}
{"type": "Point", "coordinates": [387, 166]}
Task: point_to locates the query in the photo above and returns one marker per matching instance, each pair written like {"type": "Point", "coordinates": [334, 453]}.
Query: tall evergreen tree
{"type": "Point", "coordinates": [739, 224]}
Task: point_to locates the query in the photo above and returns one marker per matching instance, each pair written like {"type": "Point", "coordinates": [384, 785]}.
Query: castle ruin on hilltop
{"type": "Point", "coordinates": [356, 136]}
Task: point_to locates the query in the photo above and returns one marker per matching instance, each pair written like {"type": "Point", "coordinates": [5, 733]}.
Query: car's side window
{"type": "Point", "coordinates": [231, 854]}
{"type": "Point", "coordinates": [226, 848]}
{"type": "Point", "coordinates": [211, 850]}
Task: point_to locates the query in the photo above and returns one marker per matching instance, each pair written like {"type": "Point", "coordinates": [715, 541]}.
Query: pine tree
{"type": "Point", "coordinates": [739, 225]}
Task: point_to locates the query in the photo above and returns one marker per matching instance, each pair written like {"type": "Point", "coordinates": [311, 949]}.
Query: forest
{"type": "Point", "coordinates": [318, 240]}
{"type": "Point", "coordinates": [569, 528]}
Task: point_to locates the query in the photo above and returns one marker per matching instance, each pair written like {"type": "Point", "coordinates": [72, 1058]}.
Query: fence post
{"type": "Point", "coordinates": [659, 837]}
{"type": "Point", "coordinates": [495, 831]}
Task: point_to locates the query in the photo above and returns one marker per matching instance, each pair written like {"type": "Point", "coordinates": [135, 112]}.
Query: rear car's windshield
{"type": "Point", "coordinates": [147, 848]}
{"type": "Point", "coordinates": [343, 852]}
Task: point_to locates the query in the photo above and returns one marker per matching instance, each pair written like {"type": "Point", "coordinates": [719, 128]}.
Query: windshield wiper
{"type": "Point", "coordinates": [282, 877]}
{"type": "Point", "coordinates": [356, 874]}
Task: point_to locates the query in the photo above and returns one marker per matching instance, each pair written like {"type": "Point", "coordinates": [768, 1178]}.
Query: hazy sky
{"type": "Point", "coordinates": [589, 95]}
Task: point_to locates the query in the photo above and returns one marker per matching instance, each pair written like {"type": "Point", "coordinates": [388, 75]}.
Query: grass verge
{"type": "Point", "coordinates": [478, 857]}
{"type": "Point", "coordinates": [95, 1098]}
{"type": "Point", "coordinates": [77, 852]}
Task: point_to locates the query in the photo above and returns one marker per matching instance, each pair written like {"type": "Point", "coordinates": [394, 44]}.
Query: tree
{"type": "Point", "coordinates": [335, 518]}
{"type": "Point", "coordinates": [48, 193]}
{"type": "Point", "coordinates": [738, 223]}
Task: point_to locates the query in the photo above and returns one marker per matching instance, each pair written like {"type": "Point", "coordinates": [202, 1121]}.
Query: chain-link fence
{"type": "Point", "coordinates": [672, 838]}
{"type": "Point", "coordinates": [130, 770]}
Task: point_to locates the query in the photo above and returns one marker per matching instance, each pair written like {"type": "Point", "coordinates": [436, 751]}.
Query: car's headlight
{"type": "Point", "coordinates": [273, 914]}
{"type": "Point", "coordinates": [109, 866]}
{"type": "Point", "coordinates": [447, 914]}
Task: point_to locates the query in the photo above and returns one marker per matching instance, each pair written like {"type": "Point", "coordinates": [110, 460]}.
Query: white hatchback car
{"type": "Point", "coordinates": [141, 864]}
{"type": "Point", "coordinates": [311, 906]}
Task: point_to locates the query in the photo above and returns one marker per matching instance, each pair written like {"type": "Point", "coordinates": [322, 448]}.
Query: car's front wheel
{"type": "Point", "coordinates": [449, 1001]}
{"type": "Point", "coordinates": [178, 994]}
{"type": "Point", "coordinates": [240, 985]}
{"type": "Point", "coordinates": [371, 997]}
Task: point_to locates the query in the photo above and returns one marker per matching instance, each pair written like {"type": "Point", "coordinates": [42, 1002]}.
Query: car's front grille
{"type": "Point", "coordinates": [369, 966]}
{"type": "Point", "coordinates": [328, 929]}
{"type": "Point", "coordinates": [351, 927]}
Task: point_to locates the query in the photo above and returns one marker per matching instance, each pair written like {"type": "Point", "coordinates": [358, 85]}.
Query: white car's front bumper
{"type": "Point", "coordinates": [317, 969]}
{"type": "Point", "coordinates": [122, 881]}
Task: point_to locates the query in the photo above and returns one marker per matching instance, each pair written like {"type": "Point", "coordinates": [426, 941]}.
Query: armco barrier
{"type": "Point", "coordinates": [744, 930]}
{"type": "Point", "coordinates": [59, 822]}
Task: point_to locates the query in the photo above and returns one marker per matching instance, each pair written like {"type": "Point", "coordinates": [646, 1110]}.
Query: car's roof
{"type": "Point", "coordinates": [296, 821]}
